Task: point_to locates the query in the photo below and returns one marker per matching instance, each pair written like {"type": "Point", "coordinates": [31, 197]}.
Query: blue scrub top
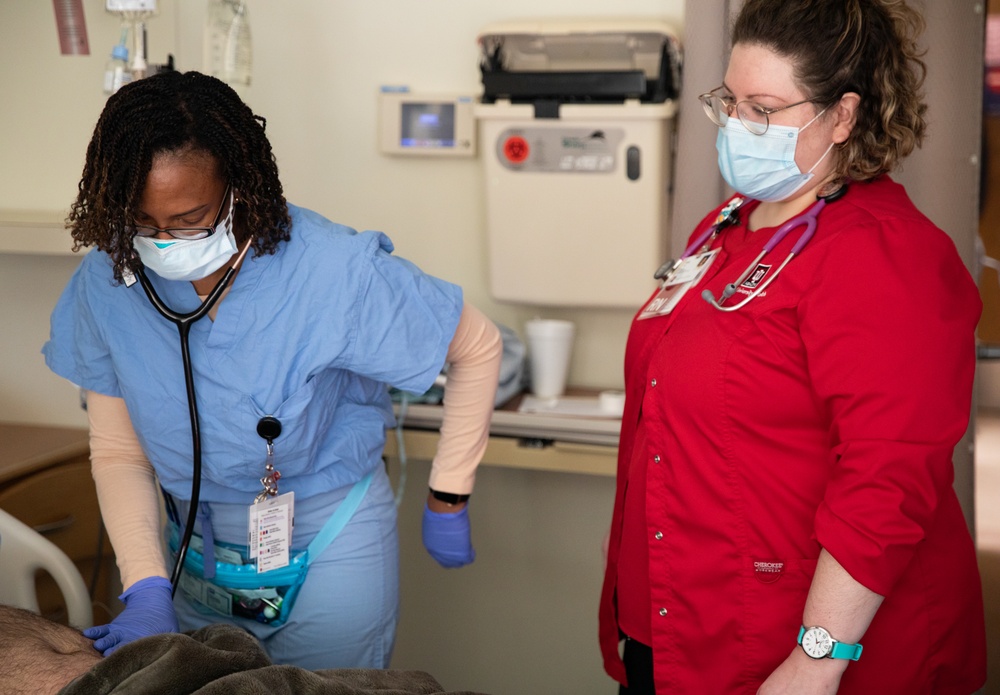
{"type": "Point", "coordinates": [312, 335]}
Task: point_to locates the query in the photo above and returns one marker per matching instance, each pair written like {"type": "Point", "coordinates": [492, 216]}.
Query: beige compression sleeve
{"type": "Point", "coordinates": [126, 489]}
{"type": "Point", "coordinates": [474, 367]}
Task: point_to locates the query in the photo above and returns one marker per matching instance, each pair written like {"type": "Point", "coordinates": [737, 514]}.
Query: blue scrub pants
{"type": "Point", "coordinates": [346, 613]}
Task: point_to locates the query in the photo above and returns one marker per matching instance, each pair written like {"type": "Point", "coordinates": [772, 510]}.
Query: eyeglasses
{"type": "Point", "coordinates": [753, 116]}
{"type": "Point", "coordinates": [189, 233]}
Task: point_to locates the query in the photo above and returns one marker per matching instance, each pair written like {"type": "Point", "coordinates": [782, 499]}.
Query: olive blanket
{"type": "Point", "coordinates": [225, 660]}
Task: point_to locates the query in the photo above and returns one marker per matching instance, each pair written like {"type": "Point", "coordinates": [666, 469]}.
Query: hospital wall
{"type": "Point", "coordinates": [317, 70]}
{"type": "Point", "coordinates": [318, 67]}
{"type": "Point", "coordinates": [523, 617]}
{"type": "Point", "coordinates": [530, 600]}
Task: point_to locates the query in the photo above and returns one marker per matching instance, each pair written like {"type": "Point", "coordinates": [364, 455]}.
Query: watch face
{"type": "Point", "coordinates": [816, 642]}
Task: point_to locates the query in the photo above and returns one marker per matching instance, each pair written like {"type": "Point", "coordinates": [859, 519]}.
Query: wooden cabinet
{"type": "Point", "coordinates": [45, 482]}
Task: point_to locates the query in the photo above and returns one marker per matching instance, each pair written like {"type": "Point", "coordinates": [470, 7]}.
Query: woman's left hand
{"type": "Point", "coordinates": [802, 675]}
{"type": "Point", "coordinates": [448, 535]}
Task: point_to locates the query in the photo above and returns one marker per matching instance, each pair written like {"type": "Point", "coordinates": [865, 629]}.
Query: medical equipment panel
{"type": "Point", "coordinates": [426, 124]}
{"type": "Point", "coordinates": [576, 121]}
{"type": "Point", "coordinates": [130, 5]}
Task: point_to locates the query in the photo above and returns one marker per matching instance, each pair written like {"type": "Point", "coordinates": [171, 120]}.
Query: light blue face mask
{"type": "Point", "coordinates": [763, 167]}
{"type": "Point", "coordinates": [179, 259]}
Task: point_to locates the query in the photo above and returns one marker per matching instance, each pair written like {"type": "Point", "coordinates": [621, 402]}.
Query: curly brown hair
{"type": "Point", "coordinates": [174, 112]}
{"type": "Point", "coordinates": [864, 46]}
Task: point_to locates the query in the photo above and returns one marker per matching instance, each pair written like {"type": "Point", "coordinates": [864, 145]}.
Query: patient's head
{"type": "Point", "coordinates": [38, 655]}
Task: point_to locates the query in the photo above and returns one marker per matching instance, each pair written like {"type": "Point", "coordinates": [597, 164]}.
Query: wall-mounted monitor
{"type": "Point", "coordinates": [426, 124]}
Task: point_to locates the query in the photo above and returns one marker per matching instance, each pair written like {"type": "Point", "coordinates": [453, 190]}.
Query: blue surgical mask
{"type": "Point", "coordinates": [763, 167]}
{"type": "Point", "coordinates": [177, 259]}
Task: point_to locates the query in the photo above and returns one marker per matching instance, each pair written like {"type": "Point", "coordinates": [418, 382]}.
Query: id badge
{"type": "Point", "coordinates": [270, 531]}
{"type": "Point", "coordinates": [691, 270]}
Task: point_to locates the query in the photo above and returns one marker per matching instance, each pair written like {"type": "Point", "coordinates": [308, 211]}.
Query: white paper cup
{"type": "Point", "coordinates": [611, 402]}
{"type": "Point", "coordinates": [550, 345]}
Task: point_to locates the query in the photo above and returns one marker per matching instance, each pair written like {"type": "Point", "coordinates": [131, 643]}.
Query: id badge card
{"type": "Point", "coordinates": [270, 531]}
{"type": "Point", "coordinates": [691, 270]}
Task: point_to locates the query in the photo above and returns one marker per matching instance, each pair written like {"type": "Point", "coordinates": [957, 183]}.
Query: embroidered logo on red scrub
{"type": "Point", "coordinates": [757, 276]}
{"type": "Point", "coordinates": [768, 571]}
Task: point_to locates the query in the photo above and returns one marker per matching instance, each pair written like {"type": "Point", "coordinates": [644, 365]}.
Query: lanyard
{"type": "Point", "coordinates": [727, 217]}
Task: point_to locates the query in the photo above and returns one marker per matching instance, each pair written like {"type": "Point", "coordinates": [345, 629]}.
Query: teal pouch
{"type": "Point", "coordinates": [240, 590]}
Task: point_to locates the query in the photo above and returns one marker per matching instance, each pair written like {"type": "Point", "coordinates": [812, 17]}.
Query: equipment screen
{"type": "Point", "coordinates": [427, 125]}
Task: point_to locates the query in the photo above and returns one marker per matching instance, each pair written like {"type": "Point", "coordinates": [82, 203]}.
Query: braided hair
{"type": "Point", "coordinates": [174, 113]}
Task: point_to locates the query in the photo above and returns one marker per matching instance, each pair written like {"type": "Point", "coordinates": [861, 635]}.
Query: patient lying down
{"type": "Point", "coordinates": [41, 657]}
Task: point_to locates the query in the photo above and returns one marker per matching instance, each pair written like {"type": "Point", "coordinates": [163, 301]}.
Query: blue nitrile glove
{"type": "Point", "coordinates": [149, 610]}
{"type": "Point", "coordinates": [448, 537]}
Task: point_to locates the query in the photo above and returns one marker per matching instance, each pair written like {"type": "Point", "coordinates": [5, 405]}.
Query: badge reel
{"type": "Point", "coordinates": [271, 516]}
{"type": "Point", "coordinates": [678, 276]}
{"type": "Point", "coordinates": [685, 275]}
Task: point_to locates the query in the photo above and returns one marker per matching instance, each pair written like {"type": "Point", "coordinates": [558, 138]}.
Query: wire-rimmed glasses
{"type": "Point", "coordinates": [189, 233]}
{"type": "Point", "coordinates": [753, 116]}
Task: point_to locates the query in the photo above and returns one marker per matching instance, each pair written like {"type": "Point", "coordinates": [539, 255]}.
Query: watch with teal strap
{"type": "Point", "coordinates": [817, 643]}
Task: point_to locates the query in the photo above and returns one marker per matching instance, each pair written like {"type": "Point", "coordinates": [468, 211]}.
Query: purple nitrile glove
{"type": "Point", "coordinates": [149, 610]}
{"type": "Point", "coordinates": [448, 537]}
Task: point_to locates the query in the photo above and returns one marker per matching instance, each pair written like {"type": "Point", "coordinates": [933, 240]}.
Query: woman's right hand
{"type": "Point", "coordinates": [149, 610]}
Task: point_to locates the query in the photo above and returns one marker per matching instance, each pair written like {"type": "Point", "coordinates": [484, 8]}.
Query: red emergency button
{"type": "Point", "coordinates": [516, 149]}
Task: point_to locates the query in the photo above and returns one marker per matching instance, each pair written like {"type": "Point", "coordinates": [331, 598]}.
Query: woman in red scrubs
{"type": "Point", "coordinates": [785, 520]}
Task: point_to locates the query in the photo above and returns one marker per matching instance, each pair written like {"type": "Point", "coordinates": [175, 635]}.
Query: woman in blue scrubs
{"type": "Point", "coordinates": [318, 321]}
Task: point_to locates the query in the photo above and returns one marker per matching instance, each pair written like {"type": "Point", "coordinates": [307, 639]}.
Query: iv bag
{"type": "Point", "coordinates": [228, 53]}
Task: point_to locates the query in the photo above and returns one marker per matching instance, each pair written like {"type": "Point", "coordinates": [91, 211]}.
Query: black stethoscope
{"type": "Point", "coordinates": [268, 427]}
{"type": "Point", "coordinates": [727, 217]}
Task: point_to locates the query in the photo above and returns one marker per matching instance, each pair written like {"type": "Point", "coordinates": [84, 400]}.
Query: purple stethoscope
{"type": "Point", "coordinates": [728, 217]}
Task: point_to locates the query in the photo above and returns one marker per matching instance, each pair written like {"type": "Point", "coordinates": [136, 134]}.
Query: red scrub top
{"type": "Point", "coordinates": [823, 414]}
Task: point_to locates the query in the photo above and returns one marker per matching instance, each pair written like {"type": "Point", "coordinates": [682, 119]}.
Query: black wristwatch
{"type": "Point", "coordinates": [448, 497]}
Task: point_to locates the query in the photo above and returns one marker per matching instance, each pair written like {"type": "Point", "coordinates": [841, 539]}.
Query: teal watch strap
{"type": "Point", "coordinates": [845, 651]}
{"type": "Point", "coordinates": [838, 650]}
